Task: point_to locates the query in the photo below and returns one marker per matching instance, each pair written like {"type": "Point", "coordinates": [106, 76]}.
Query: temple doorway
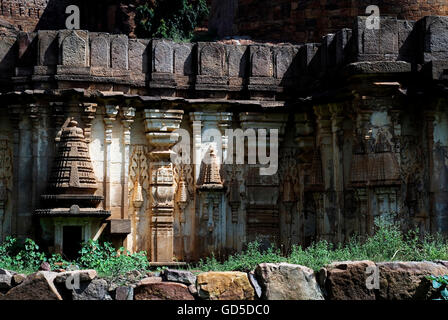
{"type": "Point", "coordinates": [72, 240]}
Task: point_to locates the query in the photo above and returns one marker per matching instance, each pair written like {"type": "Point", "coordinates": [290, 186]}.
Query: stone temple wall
{"type": "Point", "coordinates": [361, 117]}
{"type": "Point", "coordinates": [306, 20]}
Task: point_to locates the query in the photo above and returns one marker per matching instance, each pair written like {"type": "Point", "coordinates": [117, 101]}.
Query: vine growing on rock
{"type": "Point", "coordinates": [176, 19]}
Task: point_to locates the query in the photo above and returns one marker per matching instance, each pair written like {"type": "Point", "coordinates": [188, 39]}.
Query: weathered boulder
{"type": "Point", "coordinates": [149, 280]}
{"type": "Point", "coordinates": [182, 276]}
{"type": "Point", "coordinates": [162, 291]}
{"type": "Point", "coordinates": [37, 286]}
{"type": "Point", "coordinates": [73, 276]}
{"type": "Point", "coordinates": [407, 280]}
{"type": "Point", "coordinates": [5, 280]}
{"type": "Point", "coordinates": [284, 281]}
{"type": "Point", "coordinates": [124, 293]}
{"type": "Point", "coordinates": [93, 290]}
{"type": "Point", "coordinates": [18, 278]}
{"type": "Point", "coordinates": [224, 286]}
{"type": "Point", "coordinates": [130, 278]}
{"type": "Point", "coordinates": [347, 280]}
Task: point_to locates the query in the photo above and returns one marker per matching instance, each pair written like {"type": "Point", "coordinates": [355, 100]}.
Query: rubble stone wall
{"type": "Point", "coordinates": [349, 280]}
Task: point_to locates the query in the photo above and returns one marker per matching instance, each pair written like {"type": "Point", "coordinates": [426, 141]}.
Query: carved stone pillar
{"type": "Point", "coordinates": [214, 232]}
{"type": "Point", "coordinates": [305, 141]}
{"type": "Point", "coordinates": [337, 128]}
{"type": "Point", "coordinates": [15, 114]}
{"type": "Point", "coordinates": [127, 118]}
{"type": "Point", "coordinates": [109, 119]}
{"type": "Point", "coordinates": [331, 220]}
{"type": "Point", "coordinates": [429, 126]}
{"type": "Point", "coordinates": [159, 127]}
{"type": "Point", "coordinates": [263, 191]}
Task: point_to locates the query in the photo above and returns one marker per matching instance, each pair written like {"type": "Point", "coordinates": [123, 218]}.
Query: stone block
{"type": "Point", "coordinates": [224, 286]}
{"type": "Point", "coordinates": [343, 45]}
{"type": "Point", "coordinates": [162, 56]}
{"type": "Point", "coordinates": [407, 280]}
{"type": "Point", "coordinates": [73, 47]}
{"type": "Point", "coordinates": [6, 280]}
{"type": "Point", "coordinates": [347, 280]}
{"type": "Point", "coordinates": [183, 59]}
{"type": "Point", "coordinates": [119, 52]}
{"type": "Point", "coordinates": [261, 61]}
{"type": "Point", "coordinates": [120, 226]}
{"type": "Point", "coordinates": [138, 55]}
{"type": "Point", "coordinates": [283, 281]}
{"type": "Point", "coordinates": [162, 291]}
{"type": "Point", "coordinates": [100, 50]}
{"type": "Point", "coordinates": [82, 275]}
{"type": "Point", "coordinates": [48, 49]}
{"type": "Point", "coordinates": [37, 286]}
{"type": "Point", "coordinates": [182, 276]}
{"type": "Point", "coordinates": [211, 59]}
{"type": "Point", "coordinates": [124, 293]}
{"type": "Point", "coordinates": [93, 290]}
{"type": "Point", "coordinates": [376, 44]}
{"type": "Point", "coordinates": [435, 38]}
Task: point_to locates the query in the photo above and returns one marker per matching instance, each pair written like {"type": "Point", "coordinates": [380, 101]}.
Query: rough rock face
{"type": "Point", "coordinates": [94, 290]}
{"type": "Point", "coordinates": [283, 281]}
{"type": "Point", "coordinates": [83, 276]}
{"type": "Point", "coordinates": [124, 293]}
{"type": "Point", "coordinates": [5, 280]}
{"type": "Point", "coordinates": [407, 280]}
{"type": "Point", "coordinates": [224, 286]}
{"type": "Point", "coordinates": [347, 280]}
{"type": "Point", "coordinates": [182, 276]}
{"type": "Point", "coordinates": [37, 286]}
{"type": "Point", "coordinates": [162, 291]}
{"type": "Point", "coordinates": [18, 278]}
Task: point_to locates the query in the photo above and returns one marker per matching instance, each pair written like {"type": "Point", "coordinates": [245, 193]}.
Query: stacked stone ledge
{"type": "Point", "coordinates": [216, 69]}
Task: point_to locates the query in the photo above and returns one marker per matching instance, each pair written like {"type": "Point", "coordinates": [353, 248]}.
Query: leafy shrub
{"type": "Point", "coordinates": [108, 262]}
{"type": "Point", "coordinates": [174, 19]}
{"type": "Point", "coordinates": [23, 257]}
{"type": "Point", "coordinates": [440, 283]}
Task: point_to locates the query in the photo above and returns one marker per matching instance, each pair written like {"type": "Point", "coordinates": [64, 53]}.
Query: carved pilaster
{"type": "Point", "coordinates": [330, 226]}
{"type": "Point", "coordinates": [159, 127]}
{"type": "Point", "coordinates": [111, 112]}
{"type": "Point", "coordinates": [127, 118]}
{"type": "Point", "coordinates": [88, 115]}
{"type": "Point", "coordinates": [337, 128]}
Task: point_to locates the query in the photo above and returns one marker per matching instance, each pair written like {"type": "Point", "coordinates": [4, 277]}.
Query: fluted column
{"type": "Point", "coordinates": [159, 127]}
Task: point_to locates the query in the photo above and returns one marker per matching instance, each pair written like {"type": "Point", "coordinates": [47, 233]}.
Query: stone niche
{"type": "Point", "coordinates": [70, 213]}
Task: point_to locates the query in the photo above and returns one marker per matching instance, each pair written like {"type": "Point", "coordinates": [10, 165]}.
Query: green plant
{"type": "Point", "coordinates": [176, 19]}
{"type": "Point", "coordinates": [108, 262]}
{"type": "Point", "coordinates": [440, 283]}
{"type": "Point", "coordinates": [388, 243]}
{"type": "Point", "coordinates": [22, 257]}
